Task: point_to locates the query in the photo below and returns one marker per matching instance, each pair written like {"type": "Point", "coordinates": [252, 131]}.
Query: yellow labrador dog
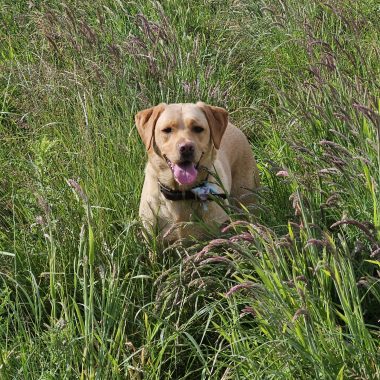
{"type": "Point", "coordinates": [196, 158]}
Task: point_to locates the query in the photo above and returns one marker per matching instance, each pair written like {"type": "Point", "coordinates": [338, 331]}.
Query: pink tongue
{"type": "Point", "coordinates": [185, 174]}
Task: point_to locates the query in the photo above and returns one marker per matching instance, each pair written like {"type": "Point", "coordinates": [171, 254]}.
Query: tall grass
{"type": "Point", "coordinates": [292, 293]}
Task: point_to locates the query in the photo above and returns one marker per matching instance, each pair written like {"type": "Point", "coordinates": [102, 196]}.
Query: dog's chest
{"type": "Point", "coordinates": [181, 211]}
{"type": "Point", "coordinates": [187, 218]}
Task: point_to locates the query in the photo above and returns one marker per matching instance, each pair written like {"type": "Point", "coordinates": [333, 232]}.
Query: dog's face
{"type": "Point", "coordinates": [181, 137]}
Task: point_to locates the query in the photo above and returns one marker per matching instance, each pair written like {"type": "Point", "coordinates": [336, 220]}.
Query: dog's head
{"type": "Point", "coordinates": [181, 137]}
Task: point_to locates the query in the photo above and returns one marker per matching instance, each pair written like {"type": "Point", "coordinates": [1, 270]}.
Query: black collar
{"type": "Point", "coordinates": [192, 194]}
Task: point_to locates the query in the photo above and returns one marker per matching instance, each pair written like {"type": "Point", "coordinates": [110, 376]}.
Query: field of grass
{"type": "Point", "coordinates": [292, 293]}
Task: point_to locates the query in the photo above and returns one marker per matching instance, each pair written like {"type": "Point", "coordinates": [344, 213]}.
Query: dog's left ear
{"type": "Point", "coordinates": [146, 122]}
{"type": "Point", "coordinates": [217, 119]}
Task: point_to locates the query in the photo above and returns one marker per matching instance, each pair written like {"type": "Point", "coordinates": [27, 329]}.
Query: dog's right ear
{"type": "Point", "coordinates": [146, 122]}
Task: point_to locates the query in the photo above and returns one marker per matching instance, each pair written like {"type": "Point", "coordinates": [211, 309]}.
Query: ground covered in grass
{"type": "Point", "coordinates": [292, 293]}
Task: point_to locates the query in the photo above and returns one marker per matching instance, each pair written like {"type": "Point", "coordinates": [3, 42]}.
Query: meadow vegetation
{"type": "Point", "coordinates": [290, 293]}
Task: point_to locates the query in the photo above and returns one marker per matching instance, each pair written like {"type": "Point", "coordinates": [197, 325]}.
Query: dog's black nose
{"type": "Point", "coordinates": [186, 150]}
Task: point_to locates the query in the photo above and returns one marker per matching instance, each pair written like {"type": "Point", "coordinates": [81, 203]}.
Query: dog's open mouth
{"type": "Point", "coordinates": [185, 173]}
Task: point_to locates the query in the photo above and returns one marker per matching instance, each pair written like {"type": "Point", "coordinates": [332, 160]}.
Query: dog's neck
{"type": "Point", "coordinates": [177, 212]}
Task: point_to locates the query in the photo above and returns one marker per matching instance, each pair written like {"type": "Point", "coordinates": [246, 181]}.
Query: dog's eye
{"type": "Point", "coordinates": [167, 130]}
{"type": "Point", "coordinates": [198, 129]}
